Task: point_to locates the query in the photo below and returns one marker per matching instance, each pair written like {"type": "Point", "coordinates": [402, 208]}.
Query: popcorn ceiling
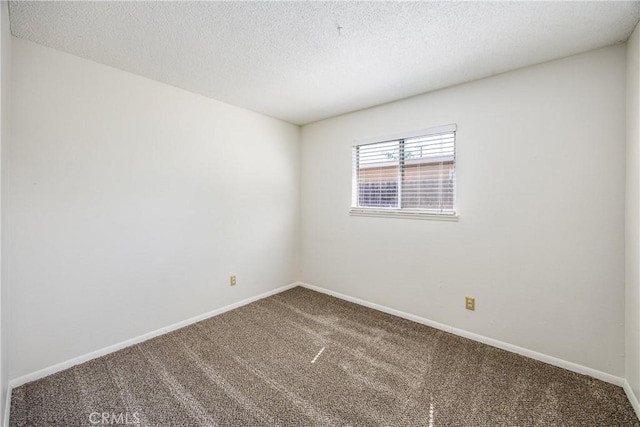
{"type": "Point", "coordinates": [306, 61]}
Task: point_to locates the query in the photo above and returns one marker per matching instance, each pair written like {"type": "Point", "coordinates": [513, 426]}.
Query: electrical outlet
{"type": "Point", "coordinates": [232, 280]}
{"type": "Point", "coordinates": [470, 303]}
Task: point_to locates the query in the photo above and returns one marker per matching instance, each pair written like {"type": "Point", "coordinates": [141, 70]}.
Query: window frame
{"type": "Point", "coordinates": [399, 212]}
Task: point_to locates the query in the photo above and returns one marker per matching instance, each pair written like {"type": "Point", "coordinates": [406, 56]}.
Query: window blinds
{"type": "Point", "coordinates": [413, 174]}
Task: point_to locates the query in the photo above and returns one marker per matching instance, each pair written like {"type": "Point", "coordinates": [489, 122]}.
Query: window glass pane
{"type": "Point", "coordinates": [429, 174]}
{"type": "Point", "coordinates": [428, 186]}
{"type": "Point", "coordinates": [430, 148]}
{"type": "Point", "coordinates": [378, 175]}
{"type": "Point", "coordinates": [378, 187]}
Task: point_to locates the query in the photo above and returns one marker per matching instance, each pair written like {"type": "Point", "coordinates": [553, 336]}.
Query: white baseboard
{"type": "Point", "coordinates": [480, 338]}
{"type": "Point", "coordinates": [17, 382]}
{"type": "Point", "coordinates": [632, 397]}
{"type": "Point", "coordinates": [7, 406]}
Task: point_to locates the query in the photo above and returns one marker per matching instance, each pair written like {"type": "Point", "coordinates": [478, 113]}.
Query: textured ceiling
{"type": "Point", "coordinates": [291, 60]}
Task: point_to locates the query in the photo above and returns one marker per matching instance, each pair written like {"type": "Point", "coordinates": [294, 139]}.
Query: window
{"type": "Point", "coordinates": [413, 175]}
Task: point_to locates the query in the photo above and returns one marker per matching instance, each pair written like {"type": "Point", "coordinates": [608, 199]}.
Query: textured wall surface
{"type": "Point", "coordinates": [132, 202]}
{"type": "Point", "coordinates": [541, 191]}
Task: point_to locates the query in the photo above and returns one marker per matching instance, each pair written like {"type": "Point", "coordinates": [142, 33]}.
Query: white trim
{"type": "Point", "coordinates": [632, 397]}
{"type": "Point", "coordinates": [17, 382]}
{"type": "Point", "coordinates": [406, 135]}
{"type": "Point", "coordinates": [580, 369]}
{"type": "Point", "coordinates": [402, 213]}
{"type": "Point", "coordinates": [7, 406]}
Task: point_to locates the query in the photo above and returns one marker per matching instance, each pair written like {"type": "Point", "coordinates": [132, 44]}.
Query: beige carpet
{"type": "Point", "coordinates": [264, 365]}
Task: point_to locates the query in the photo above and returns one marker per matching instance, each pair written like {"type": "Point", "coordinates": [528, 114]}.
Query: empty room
{"type": "Point", "coordinates": [347, 213]}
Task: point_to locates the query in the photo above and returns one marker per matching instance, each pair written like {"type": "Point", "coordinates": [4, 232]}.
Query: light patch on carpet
{"type": "Point", "coordinates": [431, 414]}
{"type": "Point", "coordinates": [181, 394]}
{"type": "Point", "coordinates": [317, 355]}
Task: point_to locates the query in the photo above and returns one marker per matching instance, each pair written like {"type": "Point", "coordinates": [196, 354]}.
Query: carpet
{"type": "Point", "coordinates": [302, 358]}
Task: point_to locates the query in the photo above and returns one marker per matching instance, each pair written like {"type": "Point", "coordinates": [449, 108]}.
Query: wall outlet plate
{"type": "Point", "coordinates": [470, 303]}
{"type": "Point", "coordinates": [232, 280]}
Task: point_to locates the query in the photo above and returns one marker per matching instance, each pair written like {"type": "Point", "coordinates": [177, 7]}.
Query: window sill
{"type": "Point", "coordinates": [403, 214]}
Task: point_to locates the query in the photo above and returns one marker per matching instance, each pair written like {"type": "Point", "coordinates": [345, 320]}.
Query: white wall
{"type": "Point", "coordinates": [541, 186]}
{"type": "Point", "coordinates": [632, 220]}
{"type": "Point", "coordinates": [5, 65]}
{"type": "Point", "coordinates": [132, 202]}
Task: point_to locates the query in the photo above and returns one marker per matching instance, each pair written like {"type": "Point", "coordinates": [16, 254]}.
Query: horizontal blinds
{"type": "Point", "coordinates": [416, 173]}
{"type": "Point", "coordinates": [377, 169]}
{"type": "Point", "coordinates": [428, 173]}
